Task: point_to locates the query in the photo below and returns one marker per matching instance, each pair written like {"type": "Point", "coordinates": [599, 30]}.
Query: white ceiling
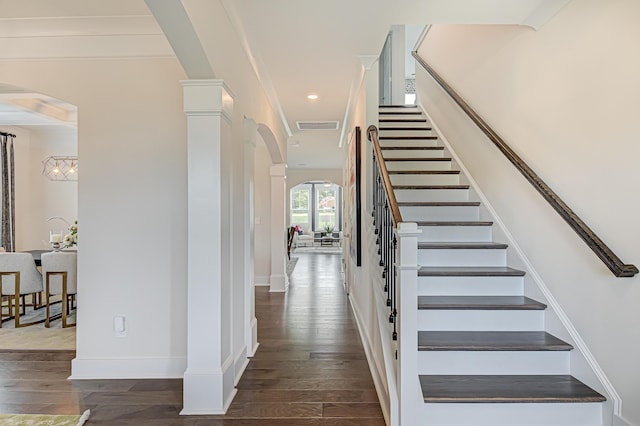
{"type": "Point", "coordinates": [299, 47]}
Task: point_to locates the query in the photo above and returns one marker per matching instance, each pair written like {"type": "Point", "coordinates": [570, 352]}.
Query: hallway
{"type": "Point", "coordinates": [310, 363]}
{"type": "Point", "coordinates": [310, 369]}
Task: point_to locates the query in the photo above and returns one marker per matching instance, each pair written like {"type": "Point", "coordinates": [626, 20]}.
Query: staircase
{"type": "Point", "coordinates": [483, 355]}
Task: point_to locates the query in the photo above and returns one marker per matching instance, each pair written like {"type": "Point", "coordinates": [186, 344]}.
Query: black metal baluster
{"type": "Point", "coordinates": [394, 288]}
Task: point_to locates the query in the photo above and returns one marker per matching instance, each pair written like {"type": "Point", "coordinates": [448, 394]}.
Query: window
{"type": "Point", "coordinates": [300, 206]}
{"type": "Point", "coordinates": [326, 207]}
{"type": "Point", "coordinates": [314, 205]}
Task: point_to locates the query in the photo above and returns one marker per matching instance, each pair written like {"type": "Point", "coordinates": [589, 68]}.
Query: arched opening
{"type": "Point", "coordinates": [43, 136]}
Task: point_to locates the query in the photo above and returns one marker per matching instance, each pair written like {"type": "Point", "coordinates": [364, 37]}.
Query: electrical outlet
{"type": "Point", "coordinates": [120, 326]}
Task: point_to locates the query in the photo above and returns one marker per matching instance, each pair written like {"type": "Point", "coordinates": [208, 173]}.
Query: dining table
{"type": "Point", "coordinates": [37, 255]}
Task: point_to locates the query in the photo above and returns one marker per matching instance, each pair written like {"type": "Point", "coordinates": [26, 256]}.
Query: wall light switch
{"type": "Point", "coordinates": [119, 326]}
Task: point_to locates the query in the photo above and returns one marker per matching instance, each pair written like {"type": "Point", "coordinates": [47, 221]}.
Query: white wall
{"type": "Point", "coordinates": [565, 98]}
{"type": "Point", "coordinates": [38, 198]}
{"type": "Point", "coordinates": [262, 206]}
{"type": "Point", "coordinates": [364, 282]}
{"type": "Point", "coordinates": [132, 208]}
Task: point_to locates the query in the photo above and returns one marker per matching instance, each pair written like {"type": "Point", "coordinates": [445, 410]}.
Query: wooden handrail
{"type": "Point", "coordinates": [372, 135]}
{"type": "Point", "coordinates": [613, 262]}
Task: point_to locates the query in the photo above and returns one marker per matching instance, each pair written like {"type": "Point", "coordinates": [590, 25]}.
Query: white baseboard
{"type": "Point", "coordinates": [240, 364]}
{"type": "Point", "coordinates": [261, 281]}
{"type": "Point", "coordinates": [278, 283]}
{"type": "Point", "coordinates": [128, 368]}
{"type": "Point", "coordinates": [253, 345]}
{"type": "Point", "coordinates": [209, 391]}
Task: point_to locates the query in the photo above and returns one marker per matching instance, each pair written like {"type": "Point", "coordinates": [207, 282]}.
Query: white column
{"type": "Point", "coordinates": [251, 336]}
{"type": "Point", "coordinates": [407, 284]}
{"type": "Point", "coordinates": [278, 281]}
{"type": "Point", "coordinates": [209, 378]}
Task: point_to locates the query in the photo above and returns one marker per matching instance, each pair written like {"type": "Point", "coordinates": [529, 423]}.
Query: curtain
{"type": "Point", "coordinates": [7, 163]}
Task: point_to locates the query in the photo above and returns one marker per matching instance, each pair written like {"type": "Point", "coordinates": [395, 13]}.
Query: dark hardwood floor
{"type": "Point", "coordinates": [310, 369]}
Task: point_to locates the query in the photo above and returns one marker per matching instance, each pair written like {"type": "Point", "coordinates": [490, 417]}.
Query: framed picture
{"type": "Point", "coordinates": [354, 213]}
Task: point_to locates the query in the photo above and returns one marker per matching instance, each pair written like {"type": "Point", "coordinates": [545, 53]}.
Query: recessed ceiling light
{"type": "Point", "coordinates": [312, 97]}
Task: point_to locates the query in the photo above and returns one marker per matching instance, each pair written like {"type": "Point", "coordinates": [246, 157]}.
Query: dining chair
{"type": "Point", "coordinates": [59, 274]}
{"type": "Point", "coordinates": [20, 277]}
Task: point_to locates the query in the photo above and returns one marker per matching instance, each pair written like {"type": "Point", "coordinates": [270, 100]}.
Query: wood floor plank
{"type": "Point", "coordinates": [310, 369]}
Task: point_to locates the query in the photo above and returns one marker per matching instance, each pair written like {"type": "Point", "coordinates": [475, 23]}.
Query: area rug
{"type": "Point", "coordinates": [43, 419]}
{"type": "Point", "coordinates": [318, 250]}
{"type": "Point", "coordinates": [40, 314]}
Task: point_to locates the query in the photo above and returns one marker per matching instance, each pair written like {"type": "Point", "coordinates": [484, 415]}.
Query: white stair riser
{"type": "Point", "coordinates": [442, 234]}
{"type": "Point", "coordinates": [418, 179]}
{"type": "Point", "coordinates": [462, 257]}
{"type": "Point", "coordinates": [470, 286]}
{"type": "Point", "coordinates": [493, 362]}
{"type": "Point", "coordinates": [418, 165]}
{"type": "Point", "coordinates": [439, 213]}
{"type": "Point", "coordinates": [491, 414]}
{"type": "Point", "coordinates": [407, 132]}
{"type": "Point", "coordinates": [413, 153]}
{"type": "Point", "coordinates": [479, 320]}
{"type": "Point", "coordinates": [407, 195]}
{"type": "Point", "coordinates": [404, 123]}
{"type": "Point", "coordinates": [413, 143]}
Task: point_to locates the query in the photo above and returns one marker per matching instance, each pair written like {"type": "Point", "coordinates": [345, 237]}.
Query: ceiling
{"type": "Point", "coordinates": [298, 48]}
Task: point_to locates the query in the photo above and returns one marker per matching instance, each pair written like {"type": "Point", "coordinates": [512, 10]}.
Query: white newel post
{"type": "Point", "coordinates": [209, 378]}
{"type": "Point", "coordinates": [250, 132]}
{"type": "Point", "coordinates": [407, 283]}
{"type": "Point", "coordinates": [278, 280]}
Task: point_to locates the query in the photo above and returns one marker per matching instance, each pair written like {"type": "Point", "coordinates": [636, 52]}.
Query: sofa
{"type": "Point", "coordinates": [303, 240]}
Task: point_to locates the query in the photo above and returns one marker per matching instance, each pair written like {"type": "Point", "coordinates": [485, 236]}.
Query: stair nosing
{"type": "Point", "coordinates": [410, 120]}
{"type": "Point", "coordinates": [427, 138]}
{"type": "Point", "coordinates": [413, 148]}
{"type": "Point", "coordinates": [418, 159]}
{"type": "Point", "coordinates": [404, 128]}
{"type": "Point", "coordinates": [424, 172]}
{"type": "Point", "coordinates": [431, 187]}
{"type": "Point", "coordinates": [462, 246]}
{"type": "Point", "coordinates": [469, 271]}
{"type": "Point", "coordinates": [455, 223]}
{"type": "Point", "coordinates": [439, 203]}
{"type": "Point", "coordinates": [491, 341]}
{"type": "Point", "coordinates": [482, 303]}
{"type": "Point", "coordinates": [507, 388]}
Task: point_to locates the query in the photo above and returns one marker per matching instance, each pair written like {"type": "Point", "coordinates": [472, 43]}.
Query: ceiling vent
{"type": "Point", "coordinates": [317, 125]}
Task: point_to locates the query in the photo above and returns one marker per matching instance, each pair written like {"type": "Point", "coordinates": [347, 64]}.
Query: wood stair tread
{"type": "Point", "coordinates": [424, 172]}
{"type": "Point", "coordinates": [477, 223]}
{"type": "Point", "coordinates": [469, 271]}
{"type": "Point", "coordinates": [462, 246]}
{"type": "Point", "coordinates": [521, 303]}
{"type": "Point", "coordinates": [512, 388]}
{"type": "Point", "coordinates": [408, 120]}
{"type": "Point", "coordinates": [439, 203]}
{"type": "Point", "coordinates": [413, 106]}
{"type": "Point", "coordinates": [426, 138]}
{"type": "Point", "coordinates": [388, 160]}
{"type": "Point", "coordinates": [412, 148]}
{"type": "Point", "coordinates": [431, 187]}
{"type": "Point", "coordinates": [490, 341]}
